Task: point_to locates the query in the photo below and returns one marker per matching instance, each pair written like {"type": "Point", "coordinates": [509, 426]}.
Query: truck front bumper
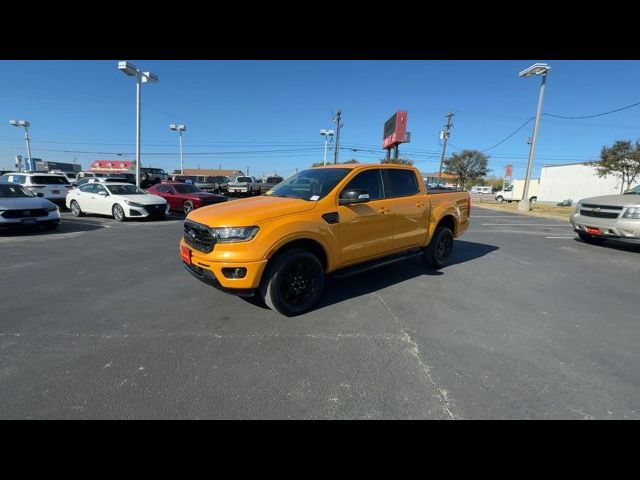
{"type": "Point", "coordinates": [213, 272]}
{"type": "Point", "coordinates": [623, 228]}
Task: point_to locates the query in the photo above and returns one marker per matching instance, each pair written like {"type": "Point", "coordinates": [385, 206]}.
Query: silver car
{"type": "Point", "coordinates": [598, 219]}
{"type": "Point", "coordinates": [19, 207]}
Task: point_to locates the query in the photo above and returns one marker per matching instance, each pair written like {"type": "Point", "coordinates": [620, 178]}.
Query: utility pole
{"type": "Point", "coordinates": [444, 135]}
{"type": "Point", "coordinates": [336, 120]}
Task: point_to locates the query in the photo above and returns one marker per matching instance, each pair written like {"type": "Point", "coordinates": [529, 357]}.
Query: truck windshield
{"type": "Point", "coordinates": [243, 180]}
{"type": "Point", "coordinates": [311, 184]}
{"type": "Point", "coordinates": [634, 191]}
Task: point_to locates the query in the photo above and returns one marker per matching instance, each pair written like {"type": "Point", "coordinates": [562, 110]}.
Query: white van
{"type": "Point", "coordinates": [513, 193]}
{"type": "Point", "coordinates": [478, 189]}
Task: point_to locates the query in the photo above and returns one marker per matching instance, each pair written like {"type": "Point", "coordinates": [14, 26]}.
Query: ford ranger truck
{"type": "Point", "coordinates": [341, 219]}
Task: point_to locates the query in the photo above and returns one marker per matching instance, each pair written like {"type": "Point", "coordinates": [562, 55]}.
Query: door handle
{"type": "Point", "coordinates": [384, 210]}
{"type": "Point", "coordinates": [419, 204]}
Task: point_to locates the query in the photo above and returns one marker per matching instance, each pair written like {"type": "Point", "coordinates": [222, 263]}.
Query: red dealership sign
{"type": "Point", "coordinates": [508, 171]}
{"type": "Point", "coordinates": [395, 129]}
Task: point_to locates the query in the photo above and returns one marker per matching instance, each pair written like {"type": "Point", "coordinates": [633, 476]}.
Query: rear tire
{"type": "Point", "coordinates": [293, 282]}
{"type": "Point", "coordinates": [118, 213]}
{"type": "Point", "coordinates": [438, 253]}
{"type": "Point", "coordinates": [533, 199]}
{"type": "Point", "coordinates": [585, 237]}
{"type": "Point", "coordinates": [75, 209]}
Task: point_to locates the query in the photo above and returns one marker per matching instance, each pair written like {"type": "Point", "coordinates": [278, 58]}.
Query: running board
{"type": "Point", "coordinates": [373, 264]}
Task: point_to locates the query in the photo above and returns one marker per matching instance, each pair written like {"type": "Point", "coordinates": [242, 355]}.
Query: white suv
{"type": "Point", "coordinates": [53, 187]}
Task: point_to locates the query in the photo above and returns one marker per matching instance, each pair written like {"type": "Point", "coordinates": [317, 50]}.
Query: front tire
{"type": "Point", "coordinates": [118, 213]}
{"type": "Point", "coordinates": [75, 209]}
{"type": "Point", "coordinates": [499, 199]}
{"type": "Point", "coordinates": [187, 207]}
{"type": "Point", "coordinates": [293, 283]}
{"type": "Point", "coordinates": [438, 253]}
{"type": "Point", "coordinates": [585, 237]}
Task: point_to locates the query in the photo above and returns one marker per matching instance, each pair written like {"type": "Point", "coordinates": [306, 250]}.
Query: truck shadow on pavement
{"type": "Point", "coordinates": [341, 289]}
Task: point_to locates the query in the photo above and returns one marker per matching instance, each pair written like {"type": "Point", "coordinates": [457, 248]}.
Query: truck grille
{"type": "Point", "coordinates": [199, 236]}
{"type": "Point", "coordinates": [30, 213]}
{"type": "Point", "coordinates": [590, 213]}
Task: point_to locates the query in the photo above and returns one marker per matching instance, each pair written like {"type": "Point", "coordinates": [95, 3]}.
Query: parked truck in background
{"type": "Point", "coordinates": [514, 192]}
{"type": "Point", "coordinates": [339, 219]}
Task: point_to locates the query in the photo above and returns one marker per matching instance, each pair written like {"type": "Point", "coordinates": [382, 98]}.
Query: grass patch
{"type": "Point", "coordinates": [538, 208]}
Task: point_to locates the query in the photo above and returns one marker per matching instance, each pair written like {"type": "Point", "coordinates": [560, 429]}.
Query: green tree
{"type": "Point", "coordinates": [467, 164]}
{"type": "Point", "coordinates": [621, 160]}
{"type": "Point", "coordinates": [397, 161]}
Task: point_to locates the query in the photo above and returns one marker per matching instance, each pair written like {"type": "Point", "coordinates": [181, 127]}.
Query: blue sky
{"type": "Point", "coordinates": [275, 109]}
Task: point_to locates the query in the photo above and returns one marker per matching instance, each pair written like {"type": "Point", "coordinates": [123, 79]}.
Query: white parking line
{"type": "Point", "coordinates": [561, 237]}
{"type": "Point", "coordinates": [87, 223]}
{"type": "Point", "coordinates": [521, 225]}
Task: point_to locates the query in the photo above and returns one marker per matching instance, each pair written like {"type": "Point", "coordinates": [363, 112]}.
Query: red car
{"type": "Point", "coordinates": [184, 197]}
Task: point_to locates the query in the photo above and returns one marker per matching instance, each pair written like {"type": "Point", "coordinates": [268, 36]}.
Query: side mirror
{"type": "Point", "coordinates": [353, 195]}
{"type": "Point", "coordinates": [40, 194]}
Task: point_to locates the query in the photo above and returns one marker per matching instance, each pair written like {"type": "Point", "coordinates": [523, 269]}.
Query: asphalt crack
{"type": "Point", "coordinates": [415, 351]}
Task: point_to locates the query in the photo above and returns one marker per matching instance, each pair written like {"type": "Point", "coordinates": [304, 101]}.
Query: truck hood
{"type": "Point", "coordinates": [613, 200]}
{"type": "Point", "coordinates": [248, 211]}
{"type": "Point", "coordinates": [24, 203]}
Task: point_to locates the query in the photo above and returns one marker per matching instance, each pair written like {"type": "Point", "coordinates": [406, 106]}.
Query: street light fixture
{"type": "Point", "coordinates": [535, 69]}
{"type": "Point", "coordinates": [141, 77]}
{"type": "Point", "coordinates": [25, 125]}
{"type": "Point", "coordinates": [328, 136]}
{"type": "Point", "coordinates": [179, 129]}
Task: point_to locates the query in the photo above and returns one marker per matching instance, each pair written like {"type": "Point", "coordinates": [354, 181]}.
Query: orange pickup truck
{"type": "Point", "coordinates": [340, 219]}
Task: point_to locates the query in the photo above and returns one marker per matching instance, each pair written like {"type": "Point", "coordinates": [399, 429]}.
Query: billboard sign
{"type": "Point", "coordinates": [395, 129]}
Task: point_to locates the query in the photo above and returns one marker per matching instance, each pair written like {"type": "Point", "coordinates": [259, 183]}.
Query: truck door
{"type": "Point", "coordinates": [410, 208]}
{"type": "Point", "coordinates": [366, 229]}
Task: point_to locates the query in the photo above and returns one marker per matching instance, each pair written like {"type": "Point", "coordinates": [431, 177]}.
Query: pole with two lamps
{"type": "Point", "coordinates": [24, 124]}
{"type": "Point", "coordinates": [141, 77]}
{"type": "Point", "coordinates": [179, 129]}
{"type": "Point", "coordinates": [328, 136]}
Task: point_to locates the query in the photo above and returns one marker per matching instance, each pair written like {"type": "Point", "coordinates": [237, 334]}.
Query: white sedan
{"type": "Point", "coordinates": [120, 200]}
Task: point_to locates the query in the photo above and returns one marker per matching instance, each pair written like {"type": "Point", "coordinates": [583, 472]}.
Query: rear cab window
{"type": "Point", "coordinates": [400, 183]}
{"type": "Point", "coordinates": [52, 180]}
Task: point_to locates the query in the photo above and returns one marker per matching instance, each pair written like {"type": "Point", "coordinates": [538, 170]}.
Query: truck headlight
{"type": "Point", "coordinates": [133, 204]}
{"type": "Point", "coordinates": [235, 234]}
{"type": "Point", "coordinates": [578, 207]}
{"type": "Point", "coordinates": [632, 212]}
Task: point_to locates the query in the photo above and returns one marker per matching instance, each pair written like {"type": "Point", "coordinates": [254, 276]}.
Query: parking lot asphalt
{"type": "Point", "coordinates": [99, 320]}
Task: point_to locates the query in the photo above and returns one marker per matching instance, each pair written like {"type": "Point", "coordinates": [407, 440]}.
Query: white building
{"type": "Point", "coordinates": [575, 181]}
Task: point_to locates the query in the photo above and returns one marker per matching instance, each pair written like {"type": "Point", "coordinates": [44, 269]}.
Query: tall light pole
{"type": "Point", "coordinates": [327, 135]}
{"type": "Point", "coordinates": [535, 69]}
{"type": "Point", "coordinates": [27, 139]}
{"type": "Point", "coordinates": [179, 129]}
{"type": "Point", "coordinates": [141, 77]}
